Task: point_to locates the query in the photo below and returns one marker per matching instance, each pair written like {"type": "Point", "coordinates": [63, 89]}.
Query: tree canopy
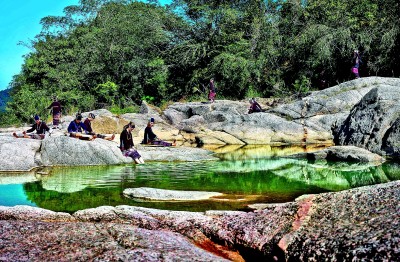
{"type": "Point", "coordinates": [104, 52]}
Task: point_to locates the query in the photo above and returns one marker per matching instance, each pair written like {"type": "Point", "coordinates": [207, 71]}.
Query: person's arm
{"type": "Point", "coordinates": [31, 129]}
{"type": "Point", "coordinates": [83, 126]}
{"type": "Point", "coordinates": [151, 134]}
{"type": "Point", "coordinates": [71, 128]}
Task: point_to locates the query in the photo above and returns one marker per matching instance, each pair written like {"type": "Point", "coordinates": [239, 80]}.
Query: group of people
{"type": "Point", "coordinates": [127, 145]}
{"type": "Point", "coordinates": [83, 130]}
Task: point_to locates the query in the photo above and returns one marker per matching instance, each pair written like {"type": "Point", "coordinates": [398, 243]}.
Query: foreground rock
{"type": "Point", "coordinates": [357, 224]}
{"type": "Point", "coordinates": [168, 195]}
{"type": "Point", "coordinates": [342, 153]}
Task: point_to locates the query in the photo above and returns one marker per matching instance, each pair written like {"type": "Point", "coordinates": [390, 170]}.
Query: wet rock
{"type": "Point", "coordinates": [168, 195]}
{"type": "Point", "coordinates": [342, 153]}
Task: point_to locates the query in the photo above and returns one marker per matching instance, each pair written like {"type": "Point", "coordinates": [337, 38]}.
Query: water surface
{"type": "Point", "coordinates": [245, 175]}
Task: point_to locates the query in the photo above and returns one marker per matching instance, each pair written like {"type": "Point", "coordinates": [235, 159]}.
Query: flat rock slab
{"type": "Point", "coordinates": [168, 195]}
{"type": "Point", "coordinates": [172, 153]}
{"type": "Point", "coordinates": [44, 241]}
{"type": "Point", "coordinates": [342, 153]}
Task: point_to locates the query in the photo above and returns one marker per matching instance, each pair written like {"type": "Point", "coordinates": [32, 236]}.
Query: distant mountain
{"type": "Point", "coordinates": [4, 97]}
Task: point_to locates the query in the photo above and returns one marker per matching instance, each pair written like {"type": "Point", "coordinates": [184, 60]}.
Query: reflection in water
{"type": "Point", "coordinates": [246, 175]}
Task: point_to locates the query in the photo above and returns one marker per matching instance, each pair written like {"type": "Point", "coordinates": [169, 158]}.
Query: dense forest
{"type": "Point", "coordinates": [114, 54]}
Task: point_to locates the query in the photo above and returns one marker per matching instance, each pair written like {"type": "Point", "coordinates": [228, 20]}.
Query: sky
{"type": "Point", "coordinates": [20, 21]}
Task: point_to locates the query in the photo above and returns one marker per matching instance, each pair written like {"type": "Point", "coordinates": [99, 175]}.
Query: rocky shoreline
{"type": "Point", "coordinates": [356, 224]}
{"type": "Point", "coordinates": [361, 113]}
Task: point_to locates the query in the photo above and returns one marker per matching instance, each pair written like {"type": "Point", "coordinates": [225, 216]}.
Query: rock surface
{"type": "Point", "coordinates": [67, 151]}
{"type": "Point", "coordinates": [168, 195]}
{"type": "Point", "coordinates": [356, 224]}
{"type": "Point", "coordinates": [190, 154]}
{"type": "Point", "coordinates": [342, 153]}
{"type": "Point", "coordinates": [373, 123]}
{"type": "Point", "coordinates": [17, 154]}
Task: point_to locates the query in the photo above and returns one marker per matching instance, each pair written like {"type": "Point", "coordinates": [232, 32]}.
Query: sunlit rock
{"type": "Point", "coordinates": [168, 195]}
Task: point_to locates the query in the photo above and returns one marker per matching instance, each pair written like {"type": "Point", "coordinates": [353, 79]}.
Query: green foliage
{"type": "Point", "coordinates": [107, 92]}
{"type": "Point", "coordinates": [148, 99]}
{"type": "Point", "coordinates": [302, 85]}
{"type": "Point", "coordinates": [120, 111]}
{"type": "Point", "coordinates": [117, 52]}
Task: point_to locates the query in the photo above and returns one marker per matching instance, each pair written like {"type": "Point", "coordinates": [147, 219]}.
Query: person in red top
{"type": "Point", "coordinates": [212, 91]}
{"type": "Point", "coordinates": [89, 130]}
{"type": "Point", "coordinates": [56, 111]}
{"type": "Point", "coordinates": [40, 127]}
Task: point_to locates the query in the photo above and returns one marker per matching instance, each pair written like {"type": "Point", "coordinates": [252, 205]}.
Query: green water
{"type": "Point", "coordinates": [244, 176]}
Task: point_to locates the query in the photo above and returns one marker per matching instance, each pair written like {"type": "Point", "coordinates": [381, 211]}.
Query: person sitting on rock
{"type": "Point", "coordinates": [75, 129]}
{"type": "Point", "coordinates": [39, 126]}
{"type": "Point", "coordinates": [127, 146]}
{"type": "Point", "coordinates": [151, 139]}
{"type": "Point", "coordinates": [89, 129]}
{"type": "Point", "coordinates": [254, 106]}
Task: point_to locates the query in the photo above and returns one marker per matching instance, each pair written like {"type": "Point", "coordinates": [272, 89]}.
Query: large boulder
{"type": "Point", "coordinates": [373, 123]}
{"type": "Point", "coordinates": [19, 154]}
{"type": "Point", "coordinates": [67, 151]}
{"type": "Point", "coordinates": [343, 153]}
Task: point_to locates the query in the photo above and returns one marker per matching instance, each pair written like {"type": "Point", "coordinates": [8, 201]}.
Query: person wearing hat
{"type": "Point", "coordinates": [40, 127]}
{"type": "Point", "coordinates": [76, 127]}
{"type": "Point", "coordinates": [127, 145]}
{"type": "Point", "coordinates": [56, 112]}
{"type": "Point", "coordinates": [89, 130]}
{"type": "Point", "coordinates": [151, 139]}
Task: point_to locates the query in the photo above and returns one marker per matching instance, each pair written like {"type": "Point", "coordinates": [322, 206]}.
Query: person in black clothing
{"type": "Point", "coordinates": [151, 138]}
{"type": "Point", "coordinates": [39, 126]}
{"type": "Point", "coordinates": [127, 145]}
{"type": "Point", "coordinates": [56, 112]}
{"type": "Point", "coordinates": [89, 130]}
{"type": "Point", "coordinates": [254, 106]}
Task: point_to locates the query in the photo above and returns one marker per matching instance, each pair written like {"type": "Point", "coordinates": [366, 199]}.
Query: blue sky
{"type": "Point", "coordinates": [20, 21]}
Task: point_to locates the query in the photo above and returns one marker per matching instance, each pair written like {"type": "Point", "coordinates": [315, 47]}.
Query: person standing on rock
{"type": "Point", "coordinates": [356, 62]}
{"type": "Point", "coordinates": [56, 112]}
{"type": "Point", "coordinates": [89, 130]}
{"type": "Point", "coordinates": [127, 145]}
{"type": "Point", "coordinates": [76, 128]}
{"type": "Point", "coordinates": [151, 139]}
{"type": "Point", "coordinates": [211, 91]}
{"type": "Point", "coordinates": [39, 126]}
